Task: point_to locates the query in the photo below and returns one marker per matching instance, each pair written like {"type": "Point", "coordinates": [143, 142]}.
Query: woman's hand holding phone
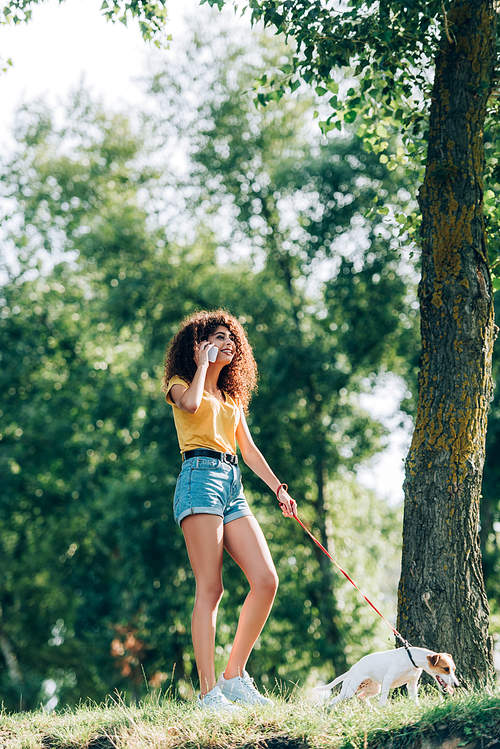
{"type": "Point", "coordinates": [206, 349]}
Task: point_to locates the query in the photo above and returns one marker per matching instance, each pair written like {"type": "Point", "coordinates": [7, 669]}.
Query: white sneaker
{"type": "Point", "coordinates": [242, 689]}
{"type": "Point", "coordinates": [215, 700]}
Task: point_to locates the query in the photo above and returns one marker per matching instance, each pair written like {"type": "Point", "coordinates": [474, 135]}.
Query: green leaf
{"type": "Point", "coordinates": [326, 126]}
{"type": "Point", "coordinates": [350, 116]}
{"type": "Point", "coordinates": [496, 283]}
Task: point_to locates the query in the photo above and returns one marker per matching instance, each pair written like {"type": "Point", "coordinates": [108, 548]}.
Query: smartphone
{"type": "Point", "coordinates": [212, 353]}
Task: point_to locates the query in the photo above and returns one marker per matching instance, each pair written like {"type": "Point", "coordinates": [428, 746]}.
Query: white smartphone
{"type": "Point", "coordinates": [212, 353]}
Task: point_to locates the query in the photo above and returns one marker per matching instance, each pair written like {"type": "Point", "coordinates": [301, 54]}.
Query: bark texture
{"type": "Point", "coordinates": [441, 601]}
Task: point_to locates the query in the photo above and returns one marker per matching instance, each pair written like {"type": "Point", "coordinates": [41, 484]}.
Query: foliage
{"type": "Point", "coordinates": [388, 89]}
{"type": "Point", "coordinates": [371, 63]}
{"type": "Point", "coordinates": [79, 497]}
{"type": "Point", "coordinates": [385, 51]}
{"type": "Point", "coordinates": [262, 174]}
{"type": "Point", "coordinates": [267, 167]}
{"type": "Point", "coordinates": [96, 589]}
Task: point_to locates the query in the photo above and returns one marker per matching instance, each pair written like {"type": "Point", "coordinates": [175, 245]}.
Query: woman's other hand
{"type": "Point", "coordinates": [287, 504]}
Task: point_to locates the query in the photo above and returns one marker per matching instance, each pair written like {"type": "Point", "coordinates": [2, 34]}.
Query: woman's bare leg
{"type": "Point", "coordinates": [203, 534]}
{"type": "Point", "coordinates": [245, 542]}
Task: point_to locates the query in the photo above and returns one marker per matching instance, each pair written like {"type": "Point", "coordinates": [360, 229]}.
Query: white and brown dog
{"type": "Point", "coordinates": [380, 672]}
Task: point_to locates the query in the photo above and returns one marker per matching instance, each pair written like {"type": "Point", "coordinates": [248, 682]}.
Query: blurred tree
{"type": "Point", "coordinates": [390, 47]}
{"type": "Point", "coordinates": [387, 48]}
{"type": "Point", "coordinates": [93, 592]}
{"type": "Point", "coordinates": [296, 204]}
{"type": "Point", "coordinates": [84, 510]}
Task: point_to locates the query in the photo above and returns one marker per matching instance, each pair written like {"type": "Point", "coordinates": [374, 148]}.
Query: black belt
{"type": "Point", "coordinates": [201, 453]}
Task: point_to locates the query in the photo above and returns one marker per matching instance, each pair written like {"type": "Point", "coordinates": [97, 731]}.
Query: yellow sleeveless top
{"type": "Point", "coordinates": [213, 426]}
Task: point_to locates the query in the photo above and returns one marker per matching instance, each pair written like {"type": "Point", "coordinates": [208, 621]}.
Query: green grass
{"type": "Point", "coordinates": [165, 723]}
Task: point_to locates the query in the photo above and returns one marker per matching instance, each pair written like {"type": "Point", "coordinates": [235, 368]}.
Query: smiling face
{"type": "Point", "coordinates": [442, 668]}
{"type": "Point", "coordinates": [223, 340]}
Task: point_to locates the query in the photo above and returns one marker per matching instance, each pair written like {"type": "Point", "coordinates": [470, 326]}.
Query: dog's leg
{"type": "Point", "coordinates": [386, 685]}
{"type": "Point", "coordinates": [412, 687]}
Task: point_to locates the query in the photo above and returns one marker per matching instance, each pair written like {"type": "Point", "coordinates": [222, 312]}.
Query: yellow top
{"type": "Point", "coordinates": [213, 426]}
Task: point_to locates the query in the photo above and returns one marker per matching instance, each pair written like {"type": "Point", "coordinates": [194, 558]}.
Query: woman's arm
{"type": "Point", "coordinates": [189, 399]}
{"type": "Point", "coordinates": [254, 459]}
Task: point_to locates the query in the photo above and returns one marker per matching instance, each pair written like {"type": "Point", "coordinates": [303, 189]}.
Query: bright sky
{"type": "Point", "coordinates": [66, 44]}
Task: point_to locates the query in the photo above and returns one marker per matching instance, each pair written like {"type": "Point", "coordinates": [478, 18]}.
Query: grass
{"type": "Point", "coordinates": [164, 723]}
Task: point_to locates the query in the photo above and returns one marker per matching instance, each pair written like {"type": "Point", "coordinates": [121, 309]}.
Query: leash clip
{"type": "Point", "coordinates": [407, 648]}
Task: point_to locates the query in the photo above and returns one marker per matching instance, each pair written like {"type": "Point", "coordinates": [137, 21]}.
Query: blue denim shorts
{"type": "Point", "coordinates": [210, 486]}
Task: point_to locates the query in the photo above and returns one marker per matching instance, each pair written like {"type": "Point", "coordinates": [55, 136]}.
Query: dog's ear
{"type": "Point", "coordinates": [433, 659]}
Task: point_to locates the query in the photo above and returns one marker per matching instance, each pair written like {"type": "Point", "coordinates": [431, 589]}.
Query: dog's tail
{"type": "Point", "coordinates": [333, 683]}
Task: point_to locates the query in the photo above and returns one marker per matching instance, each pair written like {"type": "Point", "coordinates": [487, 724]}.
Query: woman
{"type": "Point", "coordinates": [210, 399]}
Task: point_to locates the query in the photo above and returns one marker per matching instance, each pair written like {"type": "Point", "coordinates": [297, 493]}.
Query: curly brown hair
{"type": "Point", "coordinates": [239, 378]}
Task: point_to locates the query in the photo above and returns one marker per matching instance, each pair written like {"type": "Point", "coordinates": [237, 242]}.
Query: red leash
{"type": "Point", "coordinates": [395, 631]}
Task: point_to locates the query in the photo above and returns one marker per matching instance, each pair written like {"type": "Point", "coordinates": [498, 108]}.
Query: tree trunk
{"type": "Point", "coordinates": [442, 602]}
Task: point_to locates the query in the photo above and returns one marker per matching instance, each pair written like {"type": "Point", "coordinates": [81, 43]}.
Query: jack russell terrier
{"type": "Point", "coordinates": [380, 672]}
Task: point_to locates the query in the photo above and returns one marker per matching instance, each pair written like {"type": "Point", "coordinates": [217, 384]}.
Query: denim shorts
{"type": "Point", "coordinates": [210, 486]}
